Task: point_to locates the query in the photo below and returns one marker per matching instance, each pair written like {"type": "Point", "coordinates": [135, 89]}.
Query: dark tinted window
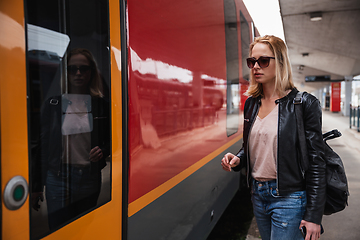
{"type": "Point", "coordinates": [69, 110]}
{"type": "Point", "coordinates": [245, 42]}
{"type": "Point", "coordinates": [232, 67]}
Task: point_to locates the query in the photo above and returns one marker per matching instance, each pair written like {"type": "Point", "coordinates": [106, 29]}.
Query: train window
{"type": "Point", "coordinates": [69, 110]}
{"type": "Point", "coordinates": [232, 68]}
{"type": "Point", "coordinates": [245, 42]}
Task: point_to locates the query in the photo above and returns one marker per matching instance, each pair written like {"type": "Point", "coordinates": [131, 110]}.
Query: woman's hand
{"type": "Point", "coordinates": [96, 154]}
{"type": "Point", "coordinates": [35, 198]}
{"type": "Point", "coordinates": [229, 161]}
{"type": "Point", "coordinates": [313, 230]}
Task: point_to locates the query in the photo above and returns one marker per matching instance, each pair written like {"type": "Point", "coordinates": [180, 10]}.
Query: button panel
{"type": "Point", "coordinates": [15, 193]}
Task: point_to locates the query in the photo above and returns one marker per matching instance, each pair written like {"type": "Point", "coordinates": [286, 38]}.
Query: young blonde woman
{"type": "Point", "coordinates": [285, 198]}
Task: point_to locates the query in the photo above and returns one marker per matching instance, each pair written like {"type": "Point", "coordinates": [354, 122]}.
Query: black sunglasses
{"type": "Point", "coordinates": [72, 69]}
{"type": "Point", "coordinates": [262, 61]}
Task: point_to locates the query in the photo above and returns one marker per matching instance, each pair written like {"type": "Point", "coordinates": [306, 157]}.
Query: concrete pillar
{"type": "Point", "coordinates": [326, 97]}
{"type": "Point", "coordinates": [348, 93]}
{"type": "Point", "coordinates": [322, 97]}
{"type": "Point", "coordinates": [197, 87]}
{"type": "Point", "coordinates": [328, 88]}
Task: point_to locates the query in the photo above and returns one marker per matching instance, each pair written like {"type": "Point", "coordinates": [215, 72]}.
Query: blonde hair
{"type": "Point", "coordinates": [96, 86]}
{"type": "Point", "coordinates": [283, 76]}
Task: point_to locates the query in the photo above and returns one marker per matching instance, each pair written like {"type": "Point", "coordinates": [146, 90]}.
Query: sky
{"type": "Point", "coordinates": [266, 16]}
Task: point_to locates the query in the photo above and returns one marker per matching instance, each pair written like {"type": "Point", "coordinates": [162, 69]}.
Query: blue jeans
{"type": "Point", "coordinates": [278, 217]}
{"type": "Point", "coordinates": [71, 193]}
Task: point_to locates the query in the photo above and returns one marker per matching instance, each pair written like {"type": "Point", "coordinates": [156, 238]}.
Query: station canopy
{"type": "Point", "coordinates": [323, 38]}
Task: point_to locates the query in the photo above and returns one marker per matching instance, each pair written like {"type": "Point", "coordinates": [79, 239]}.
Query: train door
{"type": "Point", "coordinates": [14, 170]}
{"type": "Point", "coordinates": [61, 119]}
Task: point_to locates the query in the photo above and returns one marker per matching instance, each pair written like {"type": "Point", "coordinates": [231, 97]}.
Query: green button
{"type": "Point", "coordinates": [19, 192]}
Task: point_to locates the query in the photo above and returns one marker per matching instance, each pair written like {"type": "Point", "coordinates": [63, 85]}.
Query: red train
{"type": "Point", "coordinates": [167, 105]}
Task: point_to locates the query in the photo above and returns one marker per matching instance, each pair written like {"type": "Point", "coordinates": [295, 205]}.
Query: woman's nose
{"type": "Point", "coordinates": [256, 65]}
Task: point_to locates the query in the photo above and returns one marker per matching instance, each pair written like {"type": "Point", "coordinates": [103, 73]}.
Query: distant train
{"type": "Point", "coordinates": [170, 77]}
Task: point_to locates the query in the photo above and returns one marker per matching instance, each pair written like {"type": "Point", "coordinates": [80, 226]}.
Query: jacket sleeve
{"type": "Point", "coordinates": [315, 175]}
{"type": "Point", "coordinates": [101, 132]}
{"type": "Point", "coordinates": [39, 155]}
{"type": "Point", "coordinates": [242, 153]}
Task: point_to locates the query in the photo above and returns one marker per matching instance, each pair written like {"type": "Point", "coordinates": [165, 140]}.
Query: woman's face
{"type": "Point", "coordinates": [79, 71]}
{"type": "Point", "coordinates": [263, 75]}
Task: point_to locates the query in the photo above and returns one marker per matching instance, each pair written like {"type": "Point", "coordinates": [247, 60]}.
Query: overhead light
{"type": "Point", "coordinates": [315, 16]}
{"type": "Point", "coordinates": [305, 54]}
{"type": "Point", "coordinates": [301, 67]}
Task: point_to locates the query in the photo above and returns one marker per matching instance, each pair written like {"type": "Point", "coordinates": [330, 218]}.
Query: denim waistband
{"type": "Point", "coordinates": [263, 183]}
{"type": "Point", "coordinates": [67, 169]}
{"type": "Point", "coordinates": [76, 166]}
{"type": "Point", "coordinates": [260, 187]}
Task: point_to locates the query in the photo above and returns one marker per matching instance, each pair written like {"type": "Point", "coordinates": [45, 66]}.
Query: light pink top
{"type": "Point", "coordinates": [76, 129]}
{"type": "Point", "coordinates": [263, 146]}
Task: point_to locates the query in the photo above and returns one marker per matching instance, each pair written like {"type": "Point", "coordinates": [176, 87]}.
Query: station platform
{"type": "Point", "coordinates": [343, 225]}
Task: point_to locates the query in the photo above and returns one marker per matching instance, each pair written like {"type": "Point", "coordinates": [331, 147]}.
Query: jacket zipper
{"type": "Point", "coordinates": [277, 154]}
{"type": "Point", "coordinates": [248, 155]}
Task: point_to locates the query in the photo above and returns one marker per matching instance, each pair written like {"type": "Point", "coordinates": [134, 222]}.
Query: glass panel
{"type": "Point", "coordinates": [232, 68]}
{"type": "Point", "coordinates": [245, 42]}
{"type": "Point", "coordinates": [69, 110]}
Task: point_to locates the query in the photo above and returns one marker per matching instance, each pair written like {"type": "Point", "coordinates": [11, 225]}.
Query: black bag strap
{"type": "Point", "coordinates": [301, 132]}
{"type": "Point", "coordinates": [331, 135]}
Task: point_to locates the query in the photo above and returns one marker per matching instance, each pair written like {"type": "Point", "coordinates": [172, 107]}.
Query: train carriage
{"type": "Point", "coordinates": [161, 103]}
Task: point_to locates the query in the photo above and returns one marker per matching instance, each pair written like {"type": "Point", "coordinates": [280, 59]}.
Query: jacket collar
{"type": "Point", "coordinates": [291, 96]}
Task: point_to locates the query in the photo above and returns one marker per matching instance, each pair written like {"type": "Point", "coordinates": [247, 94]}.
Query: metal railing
{"type": "Point", "coordinates": [355, 117]}
{"type": "Point", "coordinates": [168, 122]}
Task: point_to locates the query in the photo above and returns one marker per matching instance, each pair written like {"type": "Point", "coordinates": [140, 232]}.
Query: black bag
{"type": "Point", "coordinates": [337, 191]}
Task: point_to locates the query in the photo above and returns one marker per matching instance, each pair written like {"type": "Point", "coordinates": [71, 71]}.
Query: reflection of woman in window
{"type": "Point", "coordinates": [75, 140]}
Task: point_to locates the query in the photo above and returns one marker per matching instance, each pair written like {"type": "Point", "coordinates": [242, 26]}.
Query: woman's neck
{"type": "Point", "coordinates": [270, 93]}
{"type": "Point", "coordinates": [78, 90]}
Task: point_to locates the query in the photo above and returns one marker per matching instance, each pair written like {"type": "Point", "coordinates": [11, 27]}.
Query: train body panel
{"type": "Point", "coordinates": [189, 209]}
{"type": "Point", "coordinates": [171, 76]}
{"type": "Point", "coordinates": [182, 76]}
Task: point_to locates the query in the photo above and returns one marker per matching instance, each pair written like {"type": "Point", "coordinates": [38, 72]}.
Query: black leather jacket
{"type": "Point", "coordinates": [49, 147]}
{"type": "Point", "coordinates": [290, 176]}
